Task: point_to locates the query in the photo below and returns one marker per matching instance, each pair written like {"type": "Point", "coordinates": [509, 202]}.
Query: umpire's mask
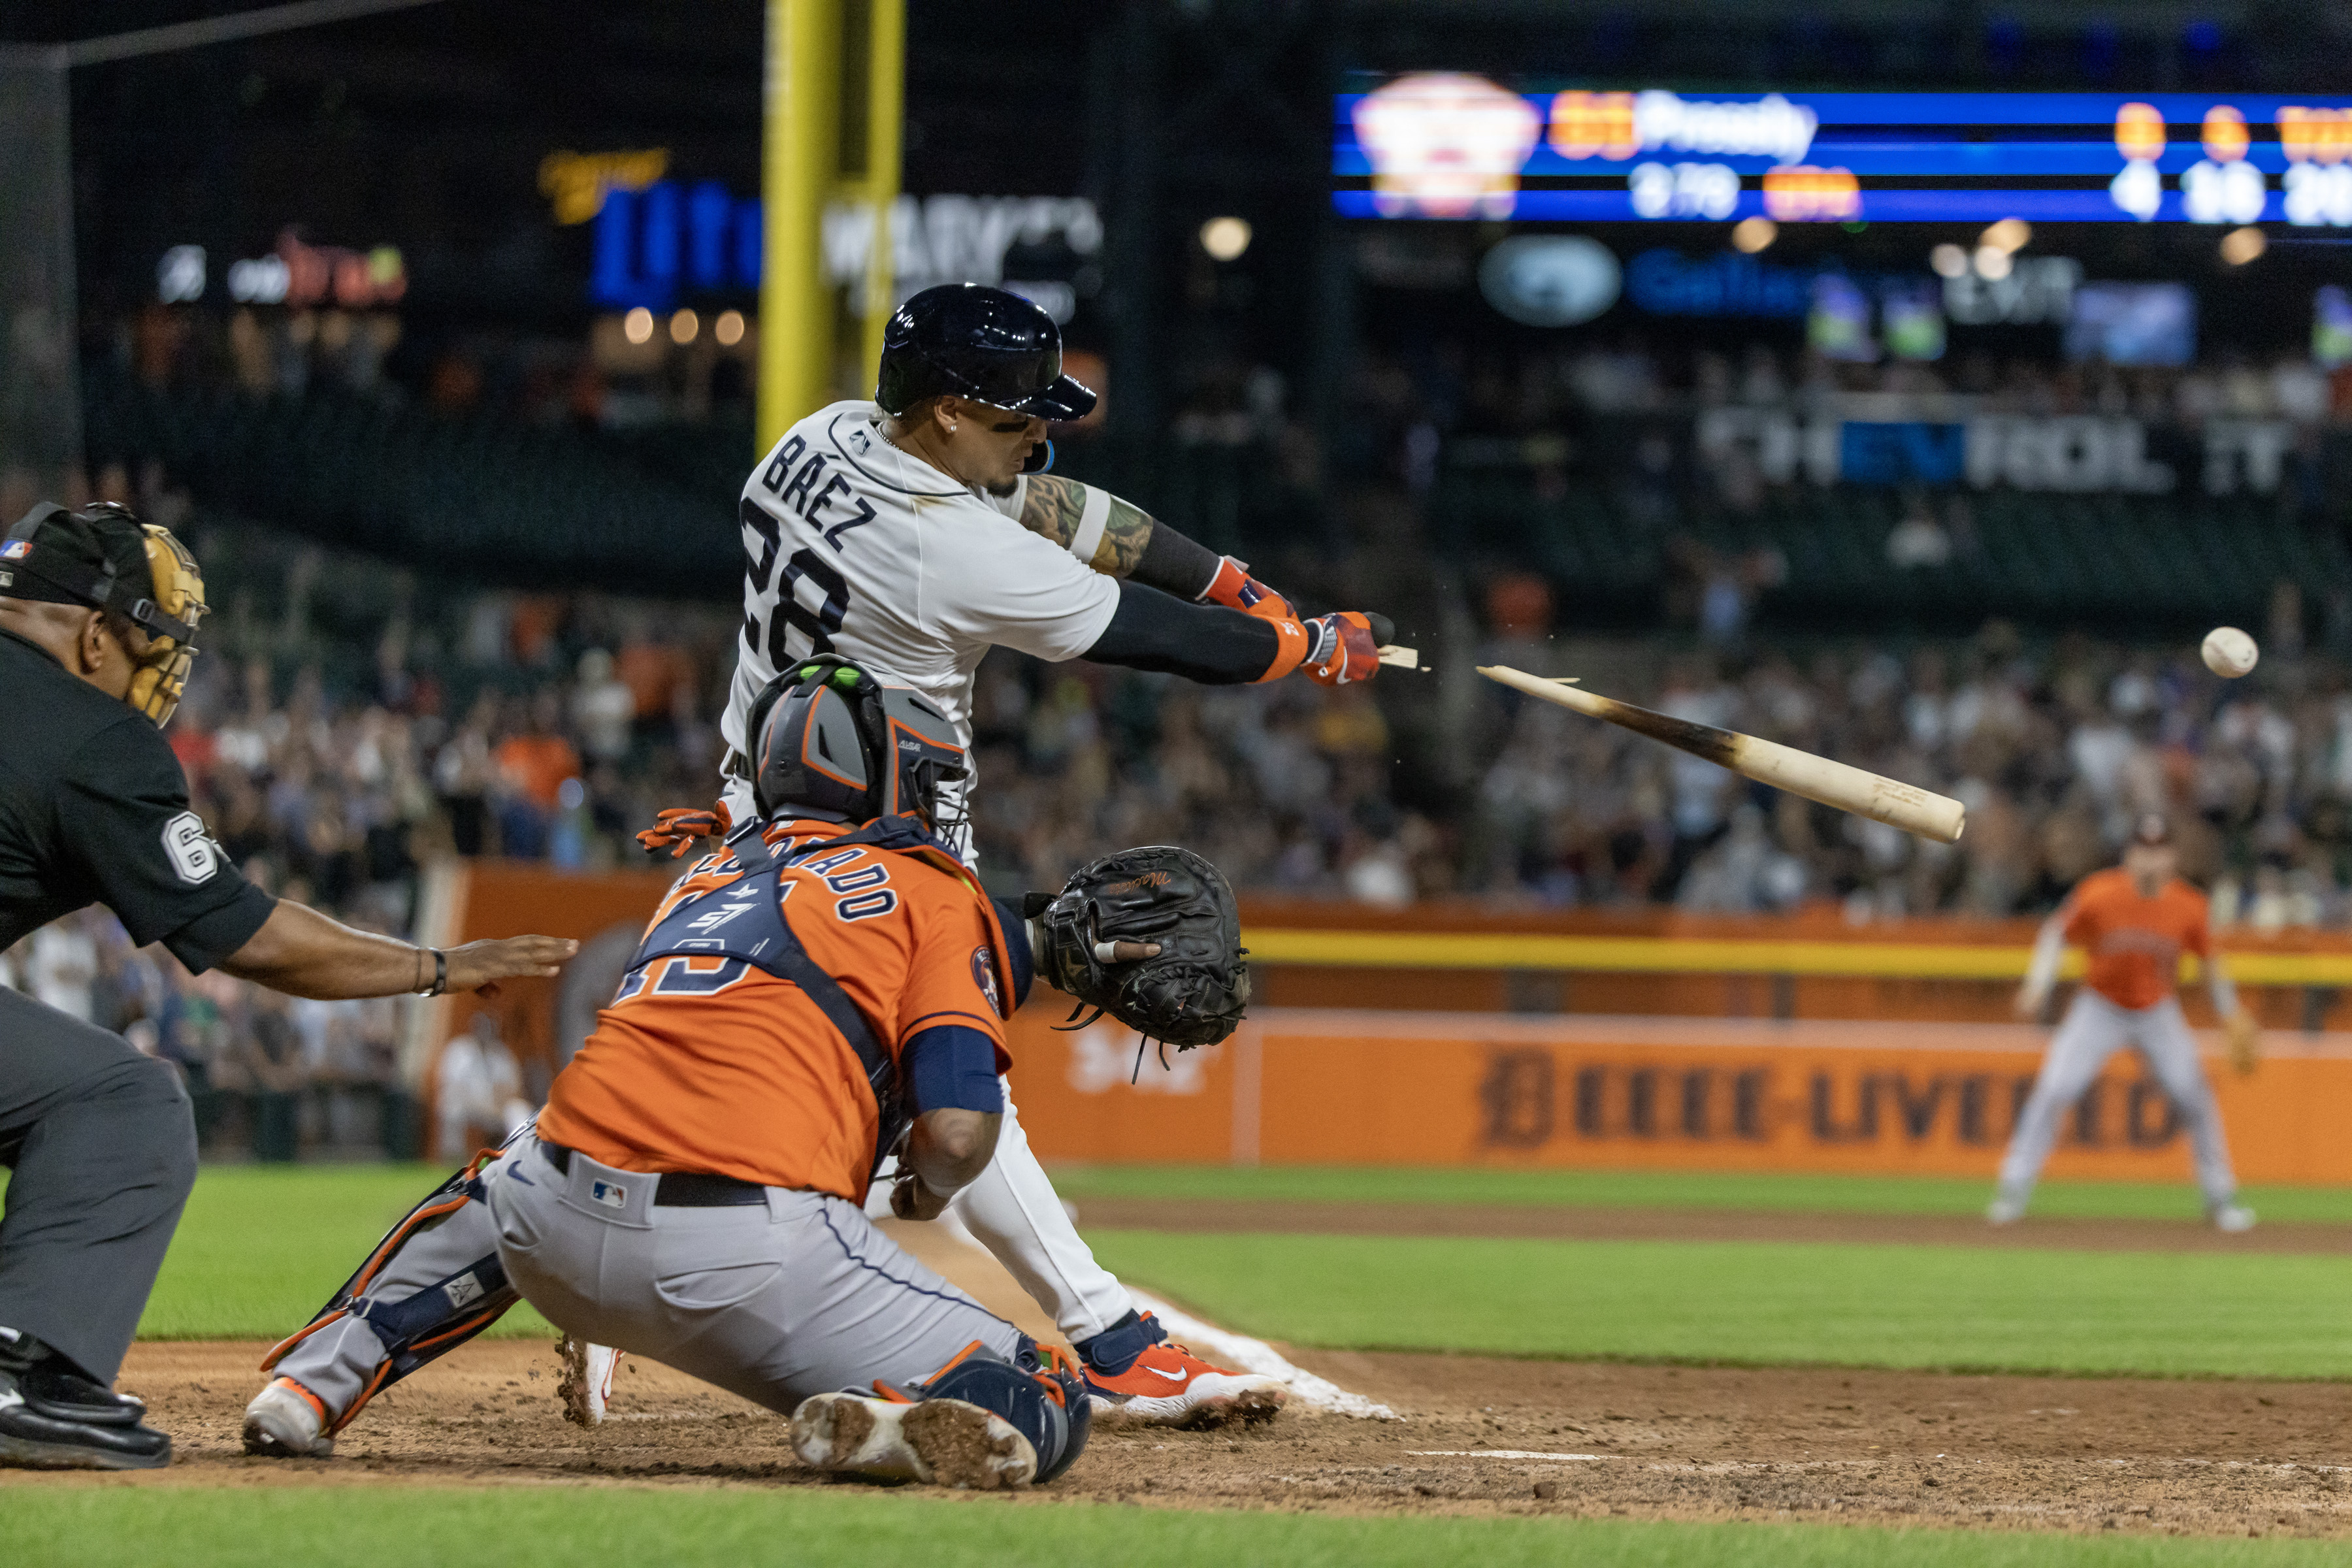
{"type": "Point", "coordinates": [104, 557]}
{"type": "Point", "coordinates": [840, 743]}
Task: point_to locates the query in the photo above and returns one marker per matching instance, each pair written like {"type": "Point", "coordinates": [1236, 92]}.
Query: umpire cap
{"type": "Point", "coordinates": [971, 340]}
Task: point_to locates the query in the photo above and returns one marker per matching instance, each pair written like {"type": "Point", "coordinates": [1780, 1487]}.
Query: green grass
{"type": "Point", "coordinates": [1675, 1189]}
{"type": "Point", "coordinates": [2218, 1314]}
{"type": "Point", "coordinates": [262, 1247]}
{"type": "Point", "coordinates": [565, 1527]}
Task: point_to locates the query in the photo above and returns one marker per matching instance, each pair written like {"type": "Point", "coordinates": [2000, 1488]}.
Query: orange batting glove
{"type": "Point", "coordinates": [1234, 588]}
{"type": "Point", "coordinates": [679, 829]}
{"type": "Point", "coordinates": [1346, 646]}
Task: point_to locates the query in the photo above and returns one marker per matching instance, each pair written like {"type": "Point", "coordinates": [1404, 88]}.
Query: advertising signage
{"type": "Point", "coordinates": [1451, 145]}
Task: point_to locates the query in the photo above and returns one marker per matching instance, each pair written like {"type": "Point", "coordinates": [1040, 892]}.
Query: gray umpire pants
{"type": "Point", "coordinates": [100, 1149]}
{"type": "Point", "coordinates": [2093, 1030]}
{"type": "Point", "coordinates": [796, 1296]}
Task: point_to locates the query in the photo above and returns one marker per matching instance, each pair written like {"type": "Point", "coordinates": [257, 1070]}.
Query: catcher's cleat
{"type": "Point", "coordinates": [587, 1384]}
{"type": "Point", "coordinates": [286, 1421]}
{"type": "Point", "coordinates": [1136, 1373]}
{"type": "Point", "coordinates": [945, 1442]}
{"type": "Point", "coordinates": [2233, 1219]}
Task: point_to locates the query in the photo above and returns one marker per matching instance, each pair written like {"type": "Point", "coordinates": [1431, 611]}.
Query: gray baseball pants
{"type": "Point", "coordinates": [796, 1296]}
{"type": "Point", "coordinates": [102, 1151]}
{"type": "Point", "coordinates": [2093, 1030]}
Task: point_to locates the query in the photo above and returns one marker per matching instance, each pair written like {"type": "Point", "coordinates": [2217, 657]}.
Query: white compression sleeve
{"type": "Point", "coordinates": [2049, 947]}
{"type": "Point", "coordinates": [2218, 985]}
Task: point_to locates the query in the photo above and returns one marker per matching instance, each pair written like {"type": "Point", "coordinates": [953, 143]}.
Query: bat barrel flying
{"type": "Point", "coordinates": [1848, 788]}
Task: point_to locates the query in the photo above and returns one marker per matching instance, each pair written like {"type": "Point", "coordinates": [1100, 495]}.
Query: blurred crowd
{"type": "Point", "coordinates": [2053, 749]}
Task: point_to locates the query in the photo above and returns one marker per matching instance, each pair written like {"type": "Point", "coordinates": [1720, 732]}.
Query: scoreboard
{"type": "Point", "coordinates": [1452, 145]}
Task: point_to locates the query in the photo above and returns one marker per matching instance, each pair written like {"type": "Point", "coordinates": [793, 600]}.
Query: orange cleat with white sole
{"type": "Point", "coordinates": [1137, 1374]}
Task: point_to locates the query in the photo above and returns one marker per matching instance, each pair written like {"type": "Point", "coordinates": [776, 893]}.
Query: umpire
{"type": "Point", "coordinates": [98, 612]}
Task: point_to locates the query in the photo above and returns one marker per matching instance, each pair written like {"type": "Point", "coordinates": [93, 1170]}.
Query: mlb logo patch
{"type": "Point", "coordinates": [15, 550]}
{"type": "Point", "coordinates": [612, 1194]}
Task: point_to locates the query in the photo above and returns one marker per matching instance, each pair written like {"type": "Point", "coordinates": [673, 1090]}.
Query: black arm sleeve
{"type": "Point", "coordinates": [1175, 564]}
{"type": "Point", "coordinates": [123, 812]}
{"type": "Point", "coordinates": [1207, 643]}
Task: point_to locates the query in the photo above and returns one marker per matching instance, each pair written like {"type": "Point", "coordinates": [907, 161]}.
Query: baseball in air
{"type": "Point", "coordinates": [2229, 652]}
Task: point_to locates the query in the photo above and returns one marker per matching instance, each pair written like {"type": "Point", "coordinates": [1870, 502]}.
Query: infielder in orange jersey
{"type": "Point", "coordinates": [828, 989]}
{"type": "Point", "coordinates": [2135, 920]}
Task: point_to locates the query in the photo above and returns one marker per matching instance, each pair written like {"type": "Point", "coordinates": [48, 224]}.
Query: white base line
{"type": "Point", "coordinates": [1256, 1355]}
{"type": "Point", "coordinates": [1499, 1454]}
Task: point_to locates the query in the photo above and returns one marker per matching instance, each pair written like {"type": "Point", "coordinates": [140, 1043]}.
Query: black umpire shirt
{"type": "Point", "coordinates": [94, 809]}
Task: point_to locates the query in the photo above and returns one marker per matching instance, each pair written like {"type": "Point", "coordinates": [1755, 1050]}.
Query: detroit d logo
{"type": "Point", "coordinates": [194, 856]}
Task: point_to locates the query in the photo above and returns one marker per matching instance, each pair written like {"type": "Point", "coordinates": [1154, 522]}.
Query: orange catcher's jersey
{"type": "Point", "coordinates": [715, 1064]}
{"type": "Point", "coordinates": [2135, 943]}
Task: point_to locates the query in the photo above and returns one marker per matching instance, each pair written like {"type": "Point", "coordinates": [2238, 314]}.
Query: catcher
{"type": "Point", "coordinates": [827, 990]}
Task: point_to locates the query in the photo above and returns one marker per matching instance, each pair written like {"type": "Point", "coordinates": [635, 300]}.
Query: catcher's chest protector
{"type": "Point", "coordinates": [744, 921]}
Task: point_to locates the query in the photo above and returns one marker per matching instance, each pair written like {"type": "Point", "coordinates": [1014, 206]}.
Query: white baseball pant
{"type": "Point", "coordinates": [2093, 1030]}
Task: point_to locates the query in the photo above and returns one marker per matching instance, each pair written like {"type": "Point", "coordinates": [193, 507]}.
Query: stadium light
{"type": "Point", "coordinates": [1224, 239]}
{"type": "Point", "coordinates": [2240, 246]}
{"type": "Point", "coordinates": [1753, 233]}
{"type": "Point", "coordinates": [2008, 235]}
{"type": "Point", "coordinates": [1949, 262]}
{"type": "Point", "coordinates": [685, 326]}
{"type": "Point", "coordinates": [727, 329]}
{"type": "Point", "coordinates": [637, 326]}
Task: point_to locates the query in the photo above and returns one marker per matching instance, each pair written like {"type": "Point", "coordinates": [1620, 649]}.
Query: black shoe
{"type": "Point", "coordinates": [52, 1419]}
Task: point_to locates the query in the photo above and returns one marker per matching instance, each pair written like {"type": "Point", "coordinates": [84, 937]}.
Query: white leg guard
{"type": "Point", "coordinates": [1013, 1211]}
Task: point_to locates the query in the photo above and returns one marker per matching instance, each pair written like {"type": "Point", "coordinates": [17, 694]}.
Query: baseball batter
{"type": "Point", "coordinates": [914, 534]}
{"type": "Point", "coordinates": [2134, 920]}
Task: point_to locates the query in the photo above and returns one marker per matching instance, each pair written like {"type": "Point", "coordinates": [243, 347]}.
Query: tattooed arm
{"type": "Point", "coordinates": [1117, 537]}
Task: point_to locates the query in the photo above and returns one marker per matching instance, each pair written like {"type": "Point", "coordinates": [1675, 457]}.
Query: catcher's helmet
{"type": "Point", "coordinates": [979, 342]}
{"type": "Point", "coordinates": [837, 741]}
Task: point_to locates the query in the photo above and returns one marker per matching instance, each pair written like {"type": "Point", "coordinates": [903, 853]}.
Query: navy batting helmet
{"type": "Point", "coordinates": [975, 342]}
{"type": "Point", "coordinates": [839, 743]}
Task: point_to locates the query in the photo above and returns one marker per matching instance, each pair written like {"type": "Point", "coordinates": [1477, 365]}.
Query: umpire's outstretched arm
{"type": "Point", "coordinates": [302, 952]}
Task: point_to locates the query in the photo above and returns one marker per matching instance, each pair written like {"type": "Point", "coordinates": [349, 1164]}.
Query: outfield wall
{"type": "Point", "coordinates": [1312, 1086]}
{"type": "Point", "coordinates": [1451, 1035]}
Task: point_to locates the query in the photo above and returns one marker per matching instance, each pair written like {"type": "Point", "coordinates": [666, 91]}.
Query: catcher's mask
{"type": "Point", "coordinates": [842, 743]}
{"type": "Point", "coordinates": [104, 557]}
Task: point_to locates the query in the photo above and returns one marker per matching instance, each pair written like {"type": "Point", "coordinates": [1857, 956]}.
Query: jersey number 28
{"type": "Point", "coordinates": [818, 626]}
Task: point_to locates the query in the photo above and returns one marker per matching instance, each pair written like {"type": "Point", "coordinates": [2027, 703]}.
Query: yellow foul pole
{"type": "Point", "coordinates": [886, 97]}
{"type": "Point", "coordinates": [797, 173]}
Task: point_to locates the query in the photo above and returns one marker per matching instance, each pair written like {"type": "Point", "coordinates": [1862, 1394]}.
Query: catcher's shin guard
{"type": "Point", "coordinates": [433, 1316]}
{"type": "Point", "coordinates": [1039, 1392]}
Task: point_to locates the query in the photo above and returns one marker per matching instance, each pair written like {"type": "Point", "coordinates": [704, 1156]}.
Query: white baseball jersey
{"type": "Point", "coordinates": [857, 548]}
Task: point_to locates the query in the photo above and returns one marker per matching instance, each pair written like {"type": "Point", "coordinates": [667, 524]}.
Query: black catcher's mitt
{"type": "Point", "coordinates": [1193, 993]}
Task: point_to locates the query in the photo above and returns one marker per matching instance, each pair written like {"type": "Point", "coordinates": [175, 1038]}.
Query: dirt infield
{"type": "Point", "coordinates": [1476, 1436]}
{"type": "Point", "coordinates": [1550, 1224]}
